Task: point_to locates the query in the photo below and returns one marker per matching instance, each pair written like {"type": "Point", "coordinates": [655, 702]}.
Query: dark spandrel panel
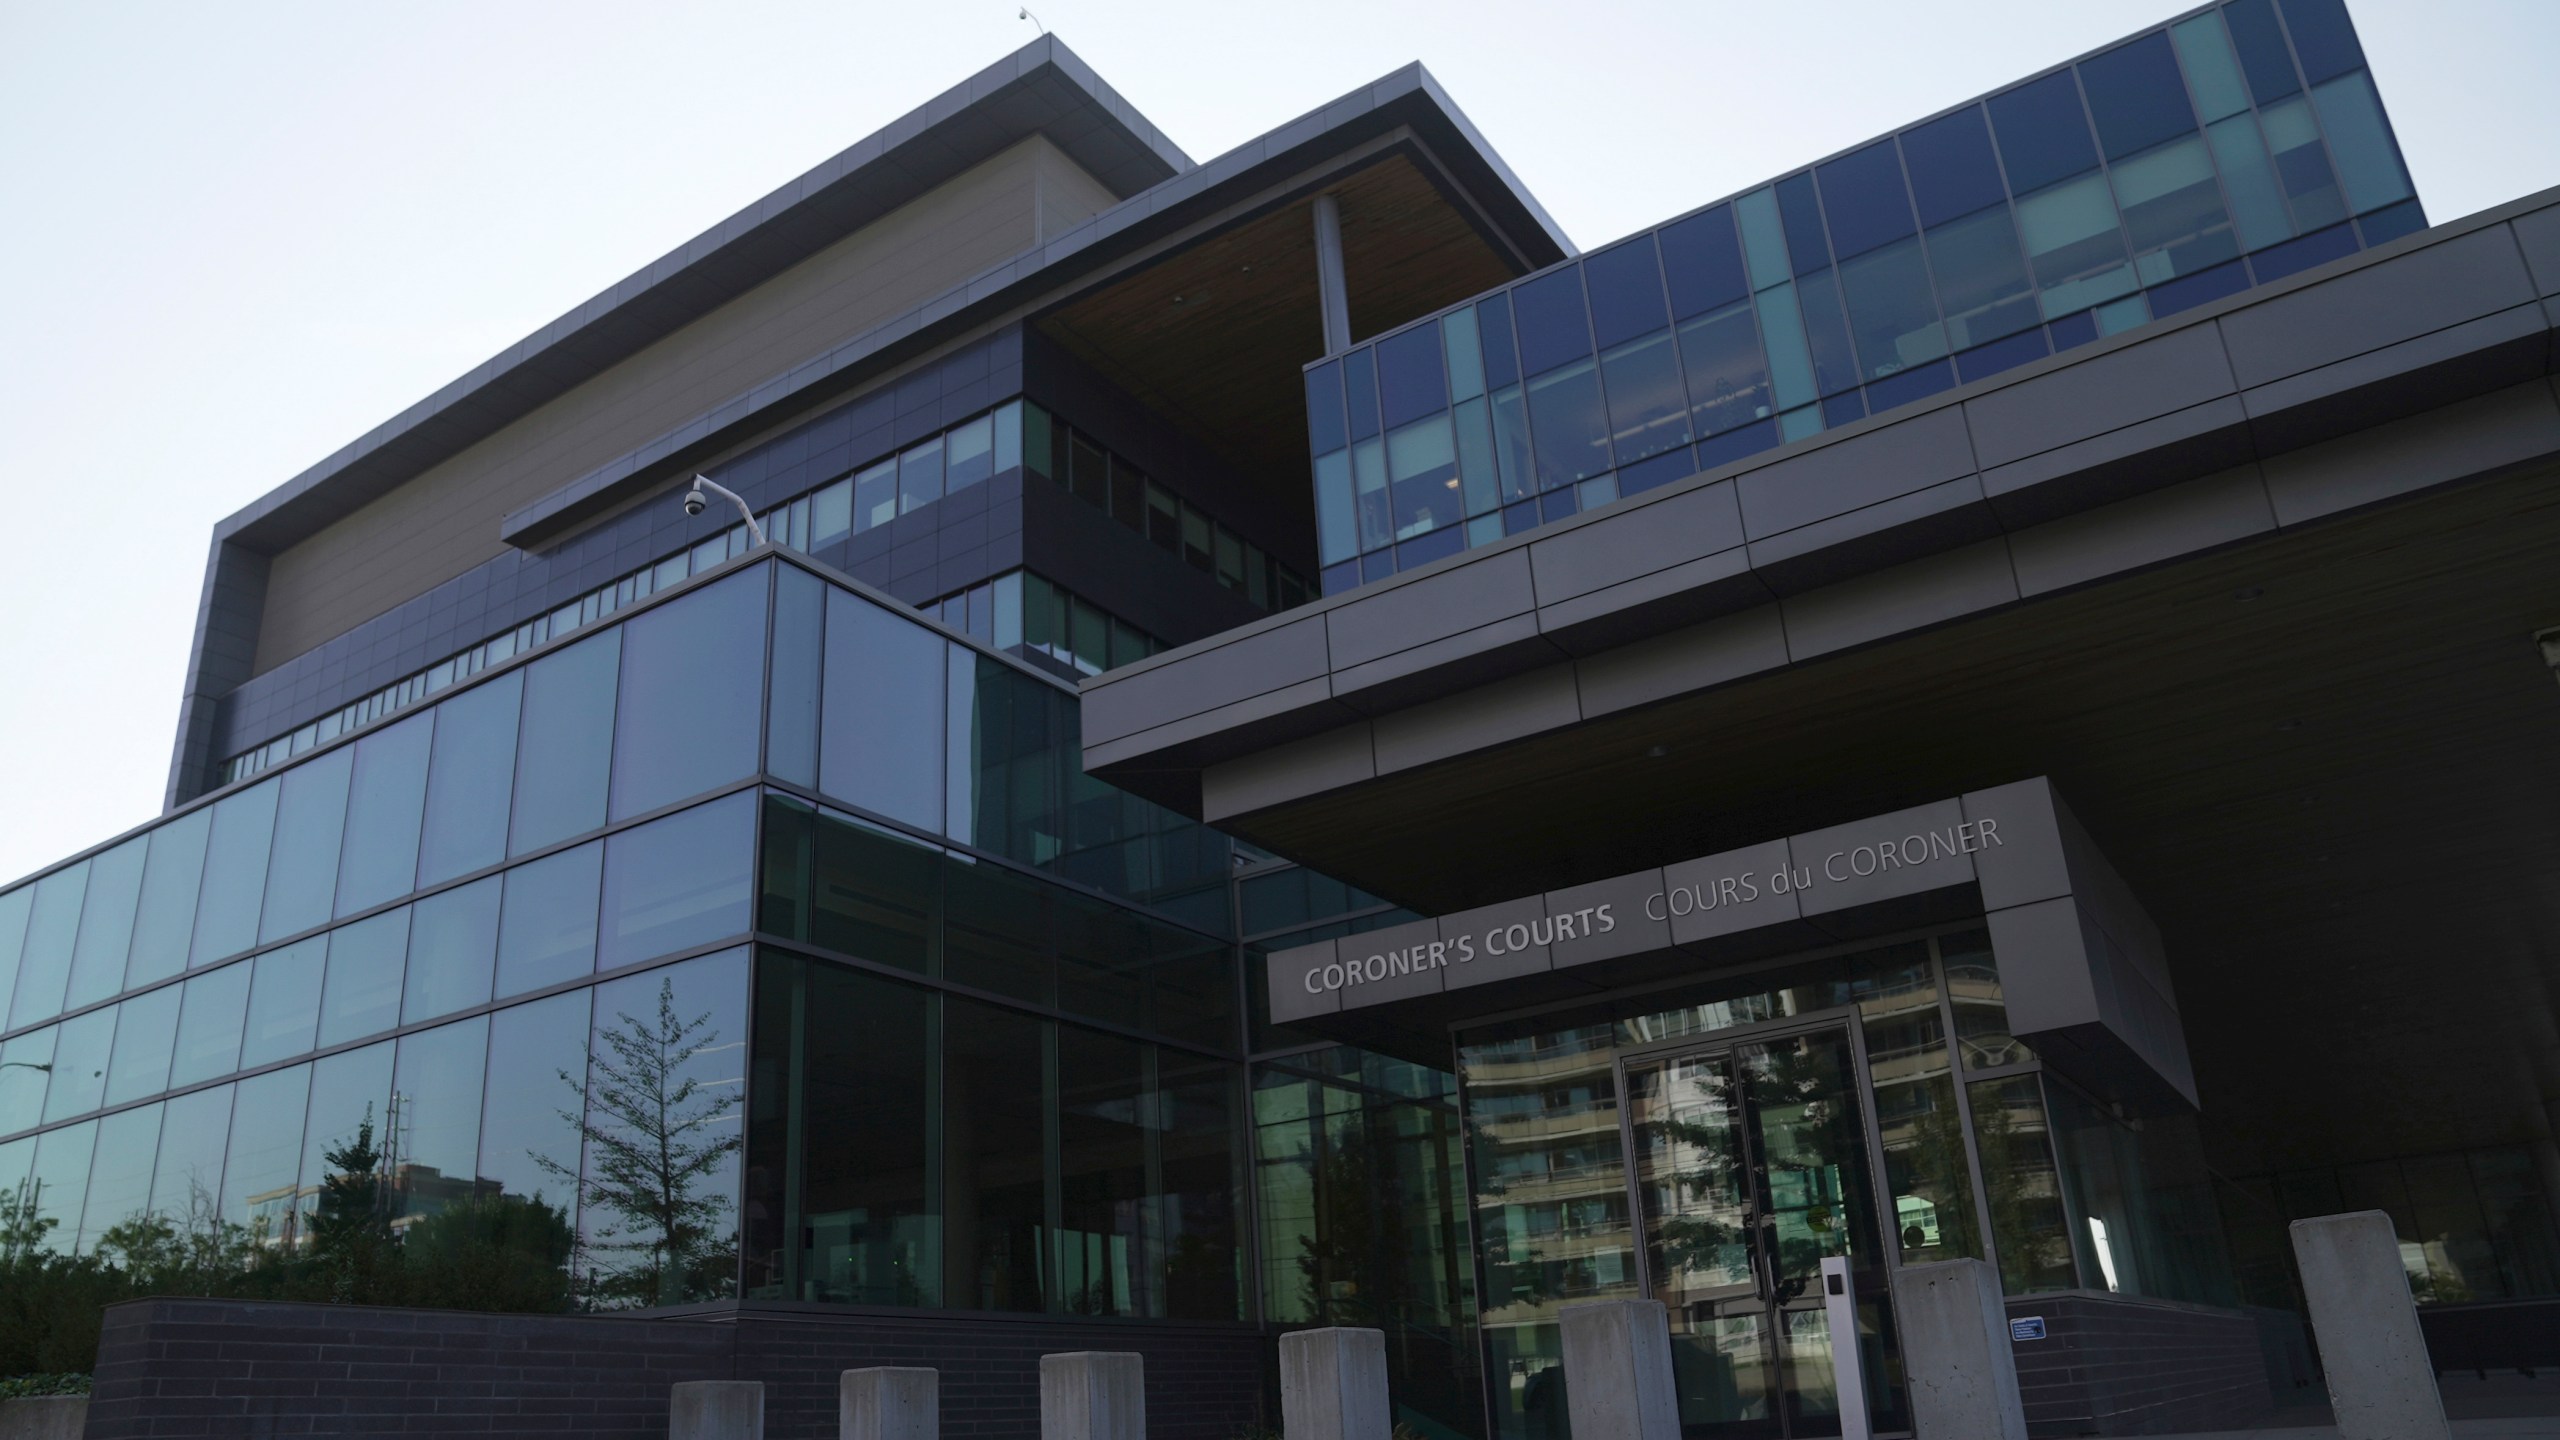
{"type": "Point", "coordinates": [1555, 329]}
{"type": "Point", "coordinates": [1493, 324]}
{"type": "Point", "coordinates": [2043, 135]}
{"type": "Point", "coordinates": [1410, 382]}
{"type": "Point", "coordinates": [564, 747]}
{"type": "Point", "coordinates": [994, 1071]}
{"type": "Point", "coordinates": [2323, 37]}
{"type": "Point", "coordinates": [1953, 171]}
{"type": "Point", "coordinates": [146, 1035]}
{"type": "Point", "coordinates": [692, 689]}
{"type": "Point", "coordinates": [379, 859]}
{"type": "Point", "coordinates": [1425, 548]}
{"type": "Point", "coordinates": [875, 893]}
{"type": "Point", "coordinates": [526, 1146]}
{"type": "Point", "coordinates": [470, 776]}
{"type": "Point", "coordinates": [2263, 59]}
{"type": "Point", "coordinates": [869, 1229]}
{"type": "Point", "coordinates": [361, 995]}
{"type": "Point", "coordinates": [1839, 410]}
{"type": "Point", "coordinates": [1626, 292]}
{"type": "Point", "coordinates": [284, 1002]}
{"type": "Point", "coordinates": [547, 920]}
{"type": "Point", "coordinates": [2385, 225]}
{"type": "Point", "coordinates": [2188, 291]}
{"type": "Point", "coordinates": [2074, 329]}
{"type": "Point", "coordinates": [1826, 333]}
{"type": "Point", "coordinates": [436, 1082]}
{"type": "Point", "coordinates": [881, 746]}
{"type": "Point", "coordinates": [695, 1014]}
{"type": "Point", "coordinates": [1568, 424]}
{"type": "Point", "coordinates": [342, 1132]}
{"type": "Point", "coordinates": [106, 923]}
{"type": "Point", "coordinates": [1558, 504]}
{"type": "Point", "coordinates": [210, 1017]}
{"type": "Point", "coordinates": [2295, 256]}
{"type": "Point", "coordinates": [1864, 199]}
{"type": "Point", "coordinates": [799, 630]}
{"type": "Point", "coordinates": [1658, 471]}
{"type": "Point", "coordinates": [82, 1049]}
{"type": "Point", "coordinates": [265, 1155]}
{"type": "Point", "coordinates": [1982, 278]}
{"type": "Point", "coordinates": [1327, 427]}
{"type": "Point", "coordinates": [1728, 381]}
{"type": "Point", "coordinates": [2001, 355]}
{"type": "Point", "coordinates": [453, 945]}
{"type": "Point", "coordinates": [2136, 96]}
{"type": "Point", "coordinates": [1360, 391]}
{"type": "Point", "coordinates": [1702, 263]}
{"type": "Point", "coordinates": [186, 1183]}
{"type": "Point", "coordinates": [164, 921]}
{"type": "Point", "coordinates": [996, 933]}
{"type": "Point", "coordinates": [1648, 408]}
{"type": "Point", "coordinates": [1800, 218]}
{"type": "Point", "coordinates": [1893, 318]}
{"type": "Point", "coordinates": [1338, 578]}
{"type": "Point", "coordinates": [302, 863]}
{"type": "Point", "coordinates": [1196, 1103]}
{"type": "Point", "coordinates": [1734, 445]}
{"type": "Point", "coordinates": [53, 927]}
{"type": "Point", "coordinates": [1908, 385]}
{"type": "Point", "coordinates": [678, 882]}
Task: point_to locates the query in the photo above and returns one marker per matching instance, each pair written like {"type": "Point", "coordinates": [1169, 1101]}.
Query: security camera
{"type": "Point", "coordinates": [696, 499]}
{"type": "Point", "coordinates": [693, 502]}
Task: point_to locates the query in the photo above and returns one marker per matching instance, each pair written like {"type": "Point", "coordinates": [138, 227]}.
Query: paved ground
{"type": "Point", "coordinates": [2510, 1428]}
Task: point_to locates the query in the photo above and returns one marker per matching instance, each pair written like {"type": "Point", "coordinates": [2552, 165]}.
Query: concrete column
{"type": "Point", "coordinates": [1333, 1385]}
{"type": "Point", "coordinates": [889, 1402]}
{"type": "Point", "coordinates": [1093, 1395]}
{"type": "Point", "coordinates": [1333, 289]}
{"type": "Point", "coordinates": [717, 1410]}
{"type": "Point", "coordinates": [1955, 1352]}
{"type": "Point", "coordinates": [2381, 1382]}
{"type": "Point", "coordinates": [1617, 1371]}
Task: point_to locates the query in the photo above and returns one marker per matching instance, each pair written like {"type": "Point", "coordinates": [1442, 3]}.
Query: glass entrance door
{"type": "Point", "coordinates": [1751, 1166]}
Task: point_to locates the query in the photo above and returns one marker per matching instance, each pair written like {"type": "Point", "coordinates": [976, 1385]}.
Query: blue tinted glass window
{"type": "Point", "coordinates": [2001, 355]}
{"type": "Point", "coordinates": [210, 1016]}
{"type": "Point", "coordinates": [186, 1184]}
{"type": "Point", "coordinates": [1337, 512]}
{"type": "Point", "coordinates": [2136, 96]}
{"type": "Point", "coordinates": [1892, 317]}
{"type": "Point", "coordinates": [2213, 71]}
{"type": "Point", "coordinates": [1626, 292]}
{"type": "Point", "coordinates": [682, 881]}
{"type": "Point", "coordinates": [1480, 474]}
{"type": "Point", "coordinates": [2249, 179]}
{"type": "Point", "coordinates": [525, 1144]}
{"type": "Point", "coordinates": [1554, 330]}
{"type": "Point", "coordinates": [302, 863]}
{"type": "Point", "coordinates": [547, 925]}
{"type": "Point", "coordinates": [1501, 361]}
{"type": "Point", "coordinates": [1953, 171]}
{"type": "Point", "coordinates": [81, 1050]}
{"type": "Point", "coordinates": [2262, 52]}
{"type": "Point", "coordinates": [2391, 222]}
{"type": "Point", "coordinates": [146, 1034]}
{"type": "Point", "coordinates": [1826, 333]}
{"type": "Point", "coordinates": [1728, 382]}
{"type": "Point", "coordinates": [1782, 335]}
{"type": "Point", "coordinates": [437, 1081]}
{"type": "Point", "coordinates": [453, 944]}
{"type": "Point", "coordinates": [106, 923]}
{"type": "Point", "coordinates": [164, 922]}
{"type": "Point", "coordinates": [1464, 352]}
{"type": "Point", "coordinates": [692, 684]}
{"type": "Point", "coordinates": [53, 927]}
{"type": "Point", "coordinates": [2302, 164]}
{"type": "Point", "coordinates": [1422, 477]}
{"type": "Point", "coordinates": [1410, 384]}
{"type": "Point", "coordinates": [470, 777]}
{"type": "Point", "coordinates": [1369, 493]}
{"type": "Point", "coordinates": [2043, 135]}
{"type": "Point", "coordinates": [1702, 263]}
{"type": "Point", "coordinates": [564, 747]}
{"type": "Point", "coordinates": [2323, 37]}
{"type": "Point", "coordinates": [2173, 211]}
{"type": "Point", "coordinates": [1360, 391]}
{"type": "Point", "coordinates": [799, 633]}
{"type": "Point", "coordinates": [265, 1156]}
{"type": "Point", "coordinates": [1801, 213]}
{"type": "Point", "coordinates": [284, 1002]}
{"type": "Point", "coordinates": [385, 802]}
{"type": "Point", "coordinates": [2193, 290]}
{"type": "Point", "coordinates": [2074, 246]}
{"type": "Point", "coordinates": [1326, 427]}
{"type": "Point", "coordinates": [1864, 199]}
{"type": "Point", "coordinates": [361, 994]}
{"type": "Point", "coordinates": [969, 452]}
{"type": "Point", "coordinates": [2368, 163]}
{"type": "Point", "coordinates": [120, 1175]}
{"type": "Point", "coordinates": [1982, 279]}
{"type": "Point", "coordinates": [235, 874]}
{"type": "Point", "coordinates": [1764, 239]}
{"type": "Point", "coordinates": [882, 744]}
{"type": "Point", "coordinates": [1648, 411]}
{"type": "Point", "coordinates": [2295, 256]}
{"type": "Point", "coordinates": [920, 475]}
{"type": "Point", "coordinates": [1568, 426]}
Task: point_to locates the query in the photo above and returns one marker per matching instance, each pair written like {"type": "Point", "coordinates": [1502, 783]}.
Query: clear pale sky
{"type": "Point", "coordinates": [235, 237]}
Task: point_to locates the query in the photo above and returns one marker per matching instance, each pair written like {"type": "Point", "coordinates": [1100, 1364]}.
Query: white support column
{"type": "Point", "coordinates": [1848, 1362]}
{"type": "Point", "coordinates": [1955, 1352]}
{"type": "Point", "coordinates": [1333, 1385]}
{"type": "Point", "coordinates": [1618, 1383]}
{"type": "Point", "coordinates": [889, 1402]}
{"type": "Point", "coordinates": [1332, 289]}
{"type": "Point", "coordinates": [2381, 1383]}
{"type": "Point", "coordinates": [1093, 1395]}
{"type": "Point", "coordinates": [716, 1410]}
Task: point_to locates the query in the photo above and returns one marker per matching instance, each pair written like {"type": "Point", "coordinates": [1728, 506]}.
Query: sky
{"type": "Point", "coordinates": [235, 237]}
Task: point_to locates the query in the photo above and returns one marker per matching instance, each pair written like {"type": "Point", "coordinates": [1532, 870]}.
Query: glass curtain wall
{"type": "Point", "coordinates": [2233, 147]}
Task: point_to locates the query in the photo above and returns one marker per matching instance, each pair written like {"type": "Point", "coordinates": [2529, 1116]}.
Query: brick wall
{"type": "Point", "coordinates": [183, 1368]}
{"type": "Point", "coordinates": [2115, 1365]}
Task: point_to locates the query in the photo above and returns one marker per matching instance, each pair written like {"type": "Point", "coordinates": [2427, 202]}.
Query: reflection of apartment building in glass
{"type": "Point", "coordinates": [1304, 753]}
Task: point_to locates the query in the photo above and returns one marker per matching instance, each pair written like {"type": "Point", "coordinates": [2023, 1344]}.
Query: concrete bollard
{"type": "Point", "coordinates": [44, 1417]}
{"type": "Point", "coordinates": [890, 1402]}
{"type": "Point", "coordinates": [1955, 1352]}
{"type": "Point", "coordinates": [716, 1410]}
{"type": "Point", "coordinates": [1333, 1385]}
{"type": "Point", "coordinates": [1618, 1383]}
{"type": "Point", "coordinates": [2381, 1383]}
{"type": "Point", "coordinates": [1093, 1395]}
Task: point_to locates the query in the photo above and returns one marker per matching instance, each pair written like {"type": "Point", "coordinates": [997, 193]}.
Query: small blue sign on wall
{"type": "Point", "coordinates": [2026, 1327]}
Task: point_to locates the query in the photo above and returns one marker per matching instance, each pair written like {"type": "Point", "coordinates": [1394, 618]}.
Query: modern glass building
{"type": "Point", "coordinates": [1297, 750]}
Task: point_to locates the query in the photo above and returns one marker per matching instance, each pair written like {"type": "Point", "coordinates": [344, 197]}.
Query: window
{"type": "Point", "coordinates": [453, 943]}
{"type": "Point", "coordinates": [265, 1154]}
{"type": "Point", "coordinates": [80, 1055]}
{"type": "Point", "coordinates": [691, 695]}
{"type": "Point", "coordinates": [882, 744]}
{"type": "Point", "coordinates": [525, 1144]}
{"type": "Point", "coordinates": [284, 1002]}
{"type": "Point", "coordinates": [2043, 135]}
{"type": "Point", "coordinates": [994, 1073]}
{"type": "Point", "coordinates": [106, 923]}
{"type": "Point", "coordinates": [565, 746]}
{"type": "Point", "coordinates": [52, 927]}
{"type": "Point", "coordinates": [210, 1019]}
{"type": "Point", "coordinates": [677, 882]}
{"type": "Point", "coordinates": [1864, 199]}
{"type": "Point", "coordinates": [1982, 279]}
{"type": "Point", "coordinates": [1422, 469]}
{"type": "Point", "coordinates": [164, 920]}
{"type": "Point", "coordinates": [2074, 247]}
{"type": "Point", "coordinates": [470, 780]}
{"type": "Point", "coordinates": [360, 995]}
{"type": "Point", "coordinates": [434, 1120]}
{"type": "Point", "coordinates": [1648, 410]}
{"type": "Point", "coordinates": [695, 1014]}
{"type": "Point", "coordinates": [386, 800]}
{"type": "Point", "coordinates": [919, 476]}
{"type": "Point", "coordinates": [1893, 318]}
{"type": "Point", "coordinates": [146, 1036]}
{"type": "Point", "coordinates": [302, 868]}
{"type": "Point", "coordinates": [2173, 211]}
{"type": "Point", "coordinates": [547, 920]}
{"type": "Point", "coordinates": [1568, 428]}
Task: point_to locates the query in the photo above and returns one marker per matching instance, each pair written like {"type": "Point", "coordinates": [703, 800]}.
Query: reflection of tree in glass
{"type": "Point", "coordinates": [2026, 1216]}
{"type": "Point", "coordinates": [655, 1150]}
{"type": "Point", "coordinates": [1350, 1265]}
{"type": "Point", "coordinates": [1809, 1127]}
{"type": "Point", "coordinates": [1706, 1231]}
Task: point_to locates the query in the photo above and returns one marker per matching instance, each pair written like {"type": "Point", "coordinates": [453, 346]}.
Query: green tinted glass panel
{"type": "Point", "coordinates": [53, 926]}
{"type": "Point", "coordinates": [265, 1153]}
{"type": "Point", "coordinates": [284, 1002]}
{"type": "Point", "coordinates": [186, 1184]}
{"type": "Point", "coordinates": [80, 1056]}
{"type": "Point", "coordinates": [235, 874]}
{"type": "Point", "coordinates": [120, 1173]}
{"type": "Point", "coordinates": [106, 923]}
{"type": "Point", "coordinates": [343, 1134]}
{"type": "Point", "coordinates": [209, 1022]}
{"type": "Point", "coordinates": [164, 922]}
{"type": "Point", "coordinates": [146, 1035]}
{"type": "Point", "coordinates": [361, 994]}
{"type": "Point", "coordinates": [302, 863]}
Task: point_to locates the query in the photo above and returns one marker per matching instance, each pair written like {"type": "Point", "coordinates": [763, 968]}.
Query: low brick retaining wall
{"type": "Point", "coordinates": [2117, 1365]}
